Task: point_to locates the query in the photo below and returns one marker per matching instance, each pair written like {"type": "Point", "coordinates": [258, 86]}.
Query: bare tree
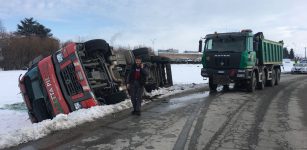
{"type": "Point", "coordinates": [19, 51]}
{"type": "Point", "coordinates": [2, 30]}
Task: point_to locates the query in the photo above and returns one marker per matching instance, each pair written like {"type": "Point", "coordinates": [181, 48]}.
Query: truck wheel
{"type": "Point", "coordinates": [98, 45]}
{"type": "Point", "coordinates": [115, 98]}
{"type": "Point", "coordinates": [162, 75]}
{"type": "Point", "coordinates": [40, 110]}
{"type": "Point", "coordinates": [261, 85]}
{"type": "Point", "coordinates": [151, 87]}
{"type": "Point", "coordinates": [272, 82]}
{"type": "Point", "coordinates": [157, 75]}
{"type": "Point", "coordinates": [155, 58]}
{"type": "Point", "coordinates": [252, 83]}
{"type": "Point", "coordinates": [129, 57]}
{"type": "Point", "coordinates": [238, 85]}
{"type": "Point", "coordinates": [140, 51]}
{"type": "Point", "coordinates": [145, 58]}
{"type": "Point", "coordinates": [226, 87]}
{"type": "Point", "coordinates": [277, 76]}
{"type": "Point", "coordinates": [211, 85]}
{"type": "Point", "coordinates": [169, 74]}
{"type": "Point", "coordinates": [152, 79]}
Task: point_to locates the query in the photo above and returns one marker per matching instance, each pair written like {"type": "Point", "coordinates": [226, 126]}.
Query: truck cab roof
{"type": "Point", "coordinates": [231, 34]}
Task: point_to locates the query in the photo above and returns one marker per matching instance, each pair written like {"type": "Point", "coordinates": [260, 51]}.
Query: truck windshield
{"type": "Point", "coordinates": [236, 44]}
{"type": "Point", "coordinates": [33, 86]}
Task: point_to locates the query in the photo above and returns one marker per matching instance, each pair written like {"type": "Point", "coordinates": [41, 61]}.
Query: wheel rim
{"type": "Point", "coordinates": [254, 82]}
{"type": "Point", "coordinates": [278, 76]}
{"type": "Point", "coordinates": [273, 78]}
{"type": "Point", "coordinates": [263, 80]}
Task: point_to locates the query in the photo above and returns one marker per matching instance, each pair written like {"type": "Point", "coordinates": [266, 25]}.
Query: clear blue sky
{"type": "Point", "coordinates": [163, 24]}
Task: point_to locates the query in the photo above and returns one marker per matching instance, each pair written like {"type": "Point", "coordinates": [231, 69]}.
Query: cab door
{"type": "Point", "coordinates": [251, 58]}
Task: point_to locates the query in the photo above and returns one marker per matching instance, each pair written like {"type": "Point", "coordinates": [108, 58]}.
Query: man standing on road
{"type": "Point", "coordinates": [136, 81]}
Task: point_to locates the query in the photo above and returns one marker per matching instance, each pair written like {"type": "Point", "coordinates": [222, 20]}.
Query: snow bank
{"type": "Point", "coordinates": [62, 121]}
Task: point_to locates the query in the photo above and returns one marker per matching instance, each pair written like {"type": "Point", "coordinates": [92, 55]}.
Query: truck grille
{"type": "Point", "coordinates": [222, 61]}
{"type": "Point", "coordinates": [70, 80]}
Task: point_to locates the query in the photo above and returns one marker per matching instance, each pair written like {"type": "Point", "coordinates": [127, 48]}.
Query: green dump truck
{"type": "Point", "coordinates": [243, 58]}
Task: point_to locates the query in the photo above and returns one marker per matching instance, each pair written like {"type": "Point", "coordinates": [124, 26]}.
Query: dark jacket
{"type": "Point", "coordinates": [144, 74]}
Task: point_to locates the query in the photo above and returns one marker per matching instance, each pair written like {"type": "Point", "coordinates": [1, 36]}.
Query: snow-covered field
{"type": "Point", "coordinates": [15, 127]}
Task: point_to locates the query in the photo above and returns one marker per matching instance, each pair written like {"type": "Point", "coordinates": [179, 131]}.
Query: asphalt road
{"type": "Point", "coordinates": [274, 118]}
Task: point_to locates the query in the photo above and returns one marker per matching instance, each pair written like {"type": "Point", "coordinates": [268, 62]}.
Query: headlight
{"type": "Point", "coordinates": [77, 105]}
{"type": "Point", "coordinates": [241, 71]}
{"type": "Point", "coordinates": [120, 89]}
{"type": "Point", "coordinates": [59, 57]}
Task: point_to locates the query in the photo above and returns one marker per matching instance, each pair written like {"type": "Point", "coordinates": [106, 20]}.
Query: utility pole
{"type": "Point", "coordinates": [153, 44]}
{"type": "Point", "coordinates": [305, 52]}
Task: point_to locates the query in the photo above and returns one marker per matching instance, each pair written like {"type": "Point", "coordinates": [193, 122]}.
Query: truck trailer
{"type": "Point", "coordinates": [83, 75]}
{"type": "Point", "coordinates": [248, 60]}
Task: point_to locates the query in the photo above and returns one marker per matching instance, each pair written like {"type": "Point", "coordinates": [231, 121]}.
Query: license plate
{"type": "Point", "coordinates": [221, 79]}
{"type": "Point", "coordinates": [221, 71]}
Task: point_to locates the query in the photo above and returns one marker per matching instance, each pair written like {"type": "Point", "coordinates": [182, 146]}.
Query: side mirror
{"type": "Point", "coordinates": [200, 46]}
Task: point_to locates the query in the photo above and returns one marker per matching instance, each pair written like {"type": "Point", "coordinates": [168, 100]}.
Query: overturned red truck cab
{"type": "Point", "coordinates": [56, 84]}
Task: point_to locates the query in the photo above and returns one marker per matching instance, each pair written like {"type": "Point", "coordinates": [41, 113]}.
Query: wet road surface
{"type": "Point", "coordinates": [273, 118]}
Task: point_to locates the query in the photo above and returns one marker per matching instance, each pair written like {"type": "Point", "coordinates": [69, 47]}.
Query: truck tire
{"type": "Point", "coordinates": [261, 85]}
{"type": "Point", "coordinates": [155, 58]}
{"type": "Point", "coordinates": [40, 111]}
{"type": "Point", "coordinates": [160, 76]}
{"type": "Point", "coordinates": [211, 85]}
{"type": "Point", "coordinates": [141, 51]}
{"type": "Point", "coordinates": [157, 75]}
{"type": "Point", "coordinates": [238, 85]}
{"type": "Point", "coordinates": [129, 57]}
{"type": "Point", "coordinates": [98, 45]}
{"type": "Point", "coordinates": [169, 75]}
{"type": "Point", "coordinates": [252, 83]}
{"type": "Point", "coordinates": [115, 98]}
{"type": "Point", "coordinates": [273, 80]}
{"type": "Point", "coordinates": [277, 71]}
{"type": "Point", "coordinates": [163, 75]}
{"type": "Point", "coordinates": [145, 57]}
{"type": "Point", "coordinates": [226, 87]}
{"type": "Point", "coordinates": [153, 79]}
{"type": "Point", "coordinates": [151, 87]}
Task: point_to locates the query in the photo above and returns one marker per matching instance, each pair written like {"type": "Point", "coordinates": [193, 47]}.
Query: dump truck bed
{"type": "Point", "coordinates": [270, 52]}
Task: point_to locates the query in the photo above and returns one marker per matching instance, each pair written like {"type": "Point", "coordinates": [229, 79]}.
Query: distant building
{"type": "Point", "coordinates": [190, 52]}
{"type": "Point", "coordinates": [168, 51]}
